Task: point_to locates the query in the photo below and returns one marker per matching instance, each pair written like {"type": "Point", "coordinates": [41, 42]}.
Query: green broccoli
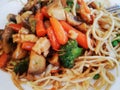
{"type": "Point", "coordinates": [69, 52]}
{"type": "Point", "coordinates": [21, 67]}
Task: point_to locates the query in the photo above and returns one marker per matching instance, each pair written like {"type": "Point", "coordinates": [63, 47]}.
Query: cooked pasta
{"type": "Point", "coordinates": [39, 56]}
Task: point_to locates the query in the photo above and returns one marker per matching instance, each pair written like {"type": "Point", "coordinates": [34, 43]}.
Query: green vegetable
{"type": "Point", "coordinates": [68, 53]}
{"type": "Point", "coordinates": [70, 3]}
{"type": "Point", "coordinates": [117, 41]}
{"type": "Point", "coordinates": [21, 67]}
{"type": "Point", "coordinates": [97, 76]}
{"type": "Point", "coordinates": [114, 43]}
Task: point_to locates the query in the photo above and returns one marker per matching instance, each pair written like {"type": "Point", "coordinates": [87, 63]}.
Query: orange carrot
{"type": "Point", "coordinates": [15, 27]}
{"type": "Point", "coordinates": [27, 45]}
{"type": "Point", "coordinates": [53, 88]}
{"type": "Point", "coordinates": [54, 71]}
{"type": "Point", "coordinates": [40, 29]}
{"type": "Point", "coordinates": [3, 60]}
{"type": "Point", "coordinates": [59, 32]}
{"type": "Point", "coordinates": [52, 38]}
{"type": "Point", "coordinates": [38, 16]}
{"type": "Point", "coordinates": [44, 11]}
{"type": "Point", "coordinates": [81, 38]}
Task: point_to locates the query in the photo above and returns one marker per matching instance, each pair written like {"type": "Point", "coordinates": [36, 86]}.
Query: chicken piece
{"type": "Point", "coordinates": [37, 63]}
{"type": "Point", "coordinates": [24, 38]}
{"type": "Point", "coordinates": [23, 31]}
{"type": "Point", "coordinates": [42, 46]}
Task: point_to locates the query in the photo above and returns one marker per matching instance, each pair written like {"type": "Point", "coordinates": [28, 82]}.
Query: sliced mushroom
{"type": "Point", "coordinates": [29, 5]}
{"type": "Point", "coordinates": [72, 19]}
{"type": "Point", "coordinates": [37, 63]}
{"type": "Point", "coordinates": [1, 32]}
{"type": "Point", "coordinates": [19, 53]}
{"type": "Point", "coordinates": [1, 46]}
{"type": "Point", "coordinates": [7, 39]}
{"type": "Point", "coordinates": [11, 18]}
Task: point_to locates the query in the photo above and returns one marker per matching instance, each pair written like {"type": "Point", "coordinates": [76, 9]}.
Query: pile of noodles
{"type": "Point", "coordinates": [101, 58]}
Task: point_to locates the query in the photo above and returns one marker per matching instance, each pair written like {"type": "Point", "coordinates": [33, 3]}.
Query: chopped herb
{"type": "Point", "coordinates": [97, 76]}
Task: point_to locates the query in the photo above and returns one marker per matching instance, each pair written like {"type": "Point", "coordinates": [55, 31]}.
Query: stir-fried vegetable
{"type": "Point", "coordinates": [40, 29]}
{"type": "Point", "coordinates": [68, 53]}
{"type": "Point", "coordinates": [27, 45]}
{"type": "Point", "coordinates": [81, 38]}
{"type": "Point", "coordinates": [15, 27]}
{"type": "Point", "coordinates": [21, 67]}
{"type": "Point", "coordinates": [56, 10]}
{"type": "Point", "coordinates": [60, 33]}
{"type": "Point", "coordinates": [117, 41]}
{"type": "Point", "coordinates": [52, 38]}
{"type": "Point", "coordinates": [3, 60]}
{"type": "Point", "coordinates": [44, 11]}
{"type": "Point", "coordinates": [97, 76]}
{"type": "Point", "coordinates": [69, 3]}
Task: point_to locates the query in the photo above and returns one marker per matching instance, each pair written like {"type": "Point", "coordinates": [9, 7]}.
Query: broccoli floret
{"type": "Point", "coordinates": [21, 67]}
{"type": "Point", "coordinates": [68, 53]}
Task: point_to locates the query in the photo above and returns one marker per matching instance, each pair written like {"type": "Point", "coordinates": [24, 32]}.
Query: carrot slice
{"type": "Point", "coordinates": [27, 45]}
{"type": "Point", "coordinates": [60, 33]}
{"type": "Point", "coordinates": [15, 27]}
{"type": "Point", "coordinates": [40, 28]}
{"type": "Point", "coordinates": [3, 60]}
{"type": "Point", "coordinates": [38, 16]}
{"type": "Point", "coordinates": [44, 11]}
{"type": "Point", "coordinates": [52, 38]}
{"type": "Point", "coordinates": [81, 38]}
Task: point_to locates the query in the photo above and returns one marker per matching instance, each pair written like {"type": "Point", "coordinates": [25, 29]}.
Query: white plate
{"type": "Point", "coordinates": [14, 6]}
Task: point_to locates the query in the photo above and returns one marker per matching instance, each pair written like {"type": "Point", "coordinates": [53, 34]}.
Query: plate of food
{"type": "Point", "coordinates": [59, 45]}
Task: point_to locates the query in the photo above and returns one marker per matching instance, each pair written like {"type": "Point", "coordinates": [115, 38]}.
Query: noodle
{"type": "Point", "coordinates": [99, 59]}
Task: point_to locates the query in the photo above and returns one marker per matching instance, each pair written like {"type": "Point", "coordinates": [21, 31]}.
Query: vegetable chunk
{"type": "Point", "coordinates": [69, 52]}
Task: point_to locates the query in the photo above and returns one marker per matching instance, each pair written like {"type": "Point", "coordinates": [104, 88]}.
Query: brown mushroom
{"type": "Point", "coordinates": [7, 39]}
{"type": "Point", "coordinates": [19, 53]}
{"type": "Point", "coordinates": [55, 60]}
{"type": "Point", "coordinates": [37, 63]}
{"type": "Point", "coordinates": [71, 19]}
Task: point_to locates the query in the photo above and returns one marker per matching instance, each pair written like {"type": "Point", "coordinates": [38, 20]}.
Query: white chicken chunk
{"type": "Point", "coordinates": [37, 63]}
{"type": "Point", "coordinates": [24, 38]}
{"type": "Point", "coordinates": [42, 46]}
